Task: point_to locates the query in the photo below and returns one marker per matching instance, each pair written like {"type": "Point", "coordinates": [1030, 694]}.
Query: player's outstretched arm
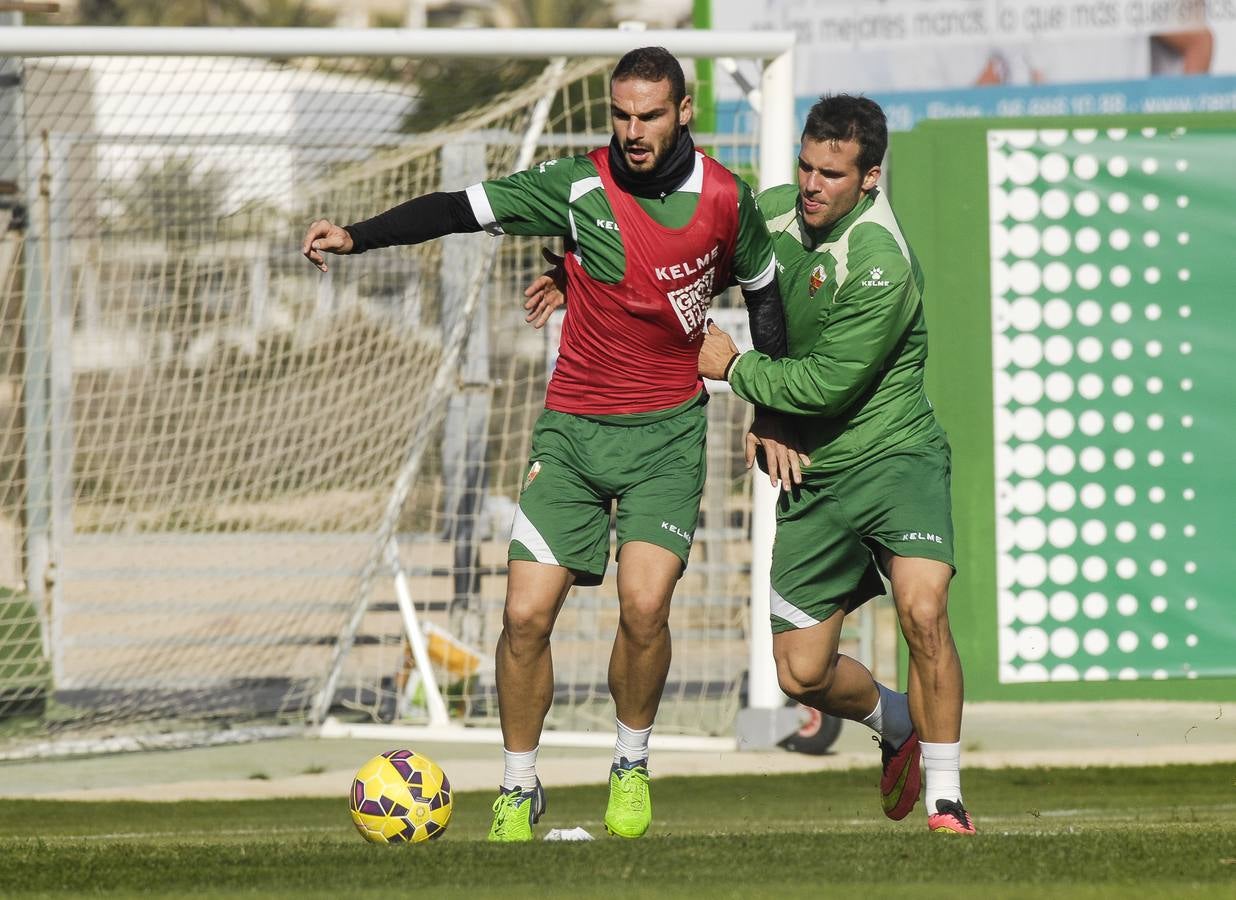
{"type": "Point", "coordinates": [324, 236]}
{"type": "Point", "coordinates": [527, 202]}
{"type": "Point", "coordinates": [413, 222]}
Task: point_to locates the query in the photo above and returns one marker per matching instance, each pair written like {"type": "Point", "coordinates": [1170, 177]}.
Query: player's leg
{"type": "Point", "coordinates": [640, 659]}
{"type": "Point", "coordinates": [936, 687]}
{"type": "Point", "coordinates": [658, 475]}
{"type": "Point", "coordinates": [812, 672]}
{"type": "Point", "coordinates": [524, 674]}
{"type": "Point", "coordinates": [524, 667]}
{"type": "Point", "coordinates": [820, 567]}
{"type": "Point", "coordinates": [560, 537]}
{"type": "Point", "coordinates": [909, 525]}
{"type": "Point", "coordinates": [920, 592]}
{"type": "Point", "coordinates": [638, 666]}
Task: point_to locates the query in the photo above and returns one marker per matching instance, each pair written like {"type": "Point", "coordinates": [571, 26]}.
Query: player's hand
{"type": "Point", "coordinates": [715, 353]}
{"type": "Point", "coordinates": [324, 237]}
{"type": "Point", "coordinates": [547, 292]}
{"type": "Point", "coordinates": [783, 457]}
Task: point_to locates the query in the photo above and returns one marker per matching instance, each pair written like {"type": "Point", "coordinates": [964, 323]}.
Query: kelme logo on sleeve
{"type": "Point", "coordinates": [876, 279]}
{"type": "Point", "coordinates": [533, 471]}
{"type": "Point", "coordinates": [818, 276]}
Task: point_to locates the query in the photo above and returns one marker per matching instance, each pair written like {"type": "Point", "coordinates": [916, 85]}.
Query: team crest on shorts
{"type": "Point", "coordinates": [533, 471]}
{"type": "Point", "coordinates": [818, 275]}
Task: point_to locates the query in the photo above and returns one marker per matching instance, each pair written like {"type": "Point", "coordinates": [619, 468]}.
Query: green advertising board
{"type": "Point", "coordinates": [1080, 285]}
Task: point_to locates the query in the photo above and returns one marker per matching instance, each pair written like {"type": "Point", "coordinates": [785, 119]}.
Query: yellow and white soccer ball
{"type": "Point", "coordinates": [400, 797]}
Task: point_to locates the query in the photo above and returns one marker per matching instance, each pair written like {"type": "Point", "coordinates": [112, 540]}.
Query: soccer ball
{"type": "Point", "coordinates": [400, 797]}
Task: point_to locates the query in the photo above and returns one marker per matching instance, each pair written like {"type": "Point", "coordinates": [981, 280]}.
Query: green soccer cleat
{"type": "Point", "coordinates": [629, 812]}
{"type": "Point", "coordinates": [515, 812]}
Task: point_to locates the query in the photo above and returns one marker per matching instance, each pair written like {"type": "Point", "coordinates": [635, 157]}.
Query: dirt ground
{"type": "Point", "coordinates": [996, 735]}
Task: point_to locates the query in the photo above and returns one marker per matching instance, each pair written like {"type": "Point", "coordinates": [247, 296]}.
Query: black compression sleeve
{"type": "Point", "coordinates": [418, 220]}
{"type": "Point", "coordinates": [766, 316]}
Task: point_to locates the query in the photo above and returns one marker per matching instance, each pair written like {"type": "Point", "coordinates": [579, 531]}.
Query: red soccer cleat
{"type": "Point", "coordinates": [950, 818]}
{"type": "Point", "coordinates": [902, 779]}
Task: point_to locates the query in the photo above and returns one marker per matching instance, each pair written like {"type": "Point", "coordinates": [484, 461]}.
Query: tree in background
{"type": "Point", "coordinates": [176, 199]}
{"type": "Point", "coordinates": [219, 13]}
{"type": "Point", "coordinates": [449, 87]}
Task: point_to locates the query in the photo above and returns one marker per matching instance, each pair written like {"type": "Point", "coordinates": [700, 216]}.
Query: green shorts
{"type": "Point", "coordinates": [652, 466]}
{"type": "Point", "coordinates": [828, 534]}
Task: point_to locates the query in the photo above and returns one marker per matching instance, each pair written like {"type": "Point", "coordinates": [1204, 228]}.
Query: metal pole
{"type": "Point", "coordinates": [259, 290]}
{"type": "Point", "coordinates": [36, 382]}
{"type": "Point", "coordinates": [59, 304]}
{"type": "Point", "coordinates": [13, 200]}
{"type": "Point", "coordinates": [467, 414]}
{"type": "Point", "coordinates": [766, 720]}
{"type": "Point", "coordinates": [776, 142]}
{"type": "Point", "coordinates": [24, 213]}
{"type": "Point", "coordinates": [438, 716]}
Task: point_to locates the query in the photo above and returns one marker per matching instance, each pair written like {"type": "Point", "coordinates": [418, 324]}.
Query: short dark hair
{"type": "Point", "coordinates": [842, 117]}
{"type": "Point", "coordinates": [652, 64]}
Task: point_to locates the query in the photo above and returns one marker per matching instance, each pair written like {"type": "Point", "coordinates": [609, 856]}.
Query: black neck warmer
{"type": "Point", "coordinates": [669, 175]}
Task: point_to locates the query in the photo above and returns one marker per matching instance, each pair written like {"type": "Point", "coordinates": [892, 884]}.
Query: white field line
{"type": "Point", "coordinates": [1083, 817]}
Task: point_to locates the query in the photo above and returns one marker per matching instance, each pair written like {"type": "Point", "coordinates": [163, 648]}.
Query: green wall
{"type": "Point", "coordinates": [938, 179]}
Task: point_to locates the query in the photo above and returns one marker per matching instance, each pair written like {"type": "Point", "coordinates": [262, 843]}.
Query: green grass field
{"type": "Point", "coordinates": [1165, 831]}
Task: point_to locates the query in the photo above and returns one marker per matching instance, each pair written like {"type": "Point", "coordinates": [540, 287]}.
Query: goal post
{"type": "Point", "coordinates": [244, 493]}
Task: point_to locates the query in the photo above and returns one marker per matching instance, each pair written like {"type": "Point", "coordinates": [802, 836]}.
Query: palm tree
{"type": "Point", "coordinates": [450, 87]}
{"type": "Point", "coordinates": [551, 14]}
{"type": "Point", "coordinates": [230, 13]}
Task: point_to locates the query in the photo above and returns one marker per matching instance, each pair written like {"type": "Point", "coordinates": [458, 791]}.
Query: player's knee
{"type": "Point", "coordinates": [924, 622]}
{"type": "Point", "coordinates": [802, 676]}
{"type": "Point", "coordinates": [644, 616]}
{"type": "Point", "coordinates": [526, 623]}
{"type": "Point", "coordinates": [643, 627]}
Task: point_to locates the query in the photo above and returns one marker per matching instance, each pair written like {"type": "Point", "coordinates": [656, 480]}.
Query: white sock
{"type": "Point", "coordinates": [631, 745]}
{"type": "Point", "coordinates": [891, 717]}
{"type": "Point", "coordinates": [520, 769]}
{"type": "Point", "coordinates": [942, 769]}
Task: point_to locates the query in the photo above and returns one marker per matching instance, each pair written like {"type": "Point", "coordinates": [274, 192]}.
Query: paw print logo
{"type": "Point", "coordinates": [877, 273]}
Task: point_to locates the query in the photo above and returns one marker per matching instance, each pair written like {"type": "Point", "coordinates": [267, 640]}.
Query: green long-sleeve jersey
{"type": "Point", "coordinates": [856, 334]}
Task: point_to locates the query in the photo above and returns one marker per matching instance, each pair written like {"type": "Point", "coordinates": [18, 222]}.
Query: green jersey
{"type": "Point", "coordinates": [565, 197]}
{"type": "Point", "coordinates": [856, 334]}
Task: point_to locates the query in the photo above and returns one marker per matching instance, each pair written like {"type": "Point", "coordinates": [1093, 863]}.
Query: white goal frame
{"type": "Point", "coordinates": [777, 137]}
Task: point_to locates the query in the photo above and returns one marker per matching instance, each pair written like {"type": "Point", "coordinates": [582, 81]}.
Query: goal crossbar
{"type": "Point", "coordinates": [521, 43]}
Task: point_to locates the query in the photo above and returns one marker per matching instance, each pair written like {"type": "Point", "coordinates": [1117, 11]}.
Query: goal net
{"type": "Point", "coordinates": [224, 470]}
